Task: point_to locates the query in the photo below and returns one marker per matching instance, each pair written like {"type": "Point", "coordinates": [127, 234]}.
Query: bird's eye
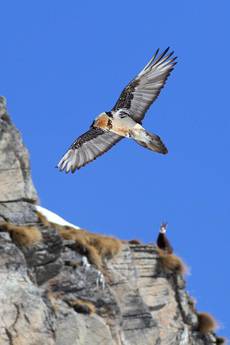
{"type": "Point", "coordinates": [122, 114]}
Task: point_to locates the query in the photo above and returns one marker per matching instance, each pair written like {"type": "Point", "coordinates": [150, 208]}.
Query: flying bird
{"type": "Point", "coordinates": [125, 118]}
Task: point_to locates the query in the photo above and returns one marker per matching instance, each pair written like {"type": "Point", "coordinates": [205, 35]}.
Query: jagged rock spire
{"type": "Point", "coordinates": [17, 191]}
{"type": "Point", "coordinates": [2, 105]}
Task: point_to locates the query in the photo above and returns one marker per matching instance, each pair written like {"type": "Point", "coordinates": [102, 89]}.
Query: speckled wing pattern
{"type": "Point", "coordinates": [142, 91]}
{"type": "Point", "coordinates": [86, 148]}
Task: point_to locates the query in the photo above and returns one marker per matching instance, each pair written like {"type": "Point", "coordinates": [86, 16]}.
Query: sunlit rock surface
{"type": "Point", "coordinates": [138, 303]}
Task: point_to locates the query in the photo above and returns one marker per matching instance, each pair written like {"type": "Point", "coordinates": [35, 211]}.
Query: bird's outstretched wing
{"type": "Point", "coordinates": [86, 148]}
{"type": "Point", "coordinates": [140, 93]}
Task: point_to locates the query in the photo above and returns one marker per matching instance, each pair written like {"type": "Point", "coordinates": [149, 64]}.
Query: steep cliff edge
{"type": "Point", "coordinates": [58, 286]}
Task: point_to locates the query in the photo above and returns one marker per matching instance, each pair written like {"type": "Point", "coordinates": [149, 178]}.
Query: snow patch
{"type": "Point", "coordinates": [100, 281]}
{"type": "Point", "coordinates": [85, 263]}
{"type": "Point", "coordinates": [54, 218]}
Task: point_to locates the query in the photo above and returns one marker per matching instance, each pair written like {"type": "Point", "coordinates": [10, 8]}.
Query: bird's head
{"type": "Point", "coordinates": [163, 227]}
{"type": "Point", "coordinates": [103, 121]}
{"type": "Point", "coordinates": [100, 115]}
{"type": "Point", "coordinates": [104, 114]}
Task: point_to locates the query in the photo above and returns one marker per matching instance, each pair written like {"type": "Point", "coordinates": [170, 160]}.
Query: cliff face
{"type": "Point", "coordinates": [16, 187]}
{"type": "Point", "coordinates": [49, 292]}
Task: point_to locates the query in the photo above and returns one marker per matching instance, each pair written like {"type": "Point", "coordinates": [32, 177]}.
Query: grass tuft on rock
{"type": "Point", "coordinates": [95, 246]}
{"type": "Point", "coordinates": [82, 306]}
{"type": "Point", "coordinates": [26, 236]}
{"type": "Point", "coordinates": [206, 323]}
{"type": "Point", "coordinates": [172, 262]}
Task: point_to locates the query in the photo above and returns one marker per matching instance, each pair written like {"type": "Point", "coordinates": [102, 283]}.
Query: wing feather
{"type": "Point", "coordinates": [86, 148]}
{"type": "Point", "coordinates": [142, 91]}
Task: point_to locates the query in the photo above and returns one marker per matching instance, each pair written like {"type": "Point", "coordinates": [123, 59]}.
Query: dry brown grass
{"type": "Point", "coordinates": [82, 244]}
{"type": "Point", "coordinates": [96, 247]}
{"type": "Point", "coordinates": [22, 235]}
{"type": "Point", "coordinates": [192, 303]}
{"type": "Point", "coordinates": [82, 306]}
{"type": "Point", "coordinates": [73, 263]}
{"type": "Point", "coordinates": [172, 262]}
{"type": "Point", "coordinates": [106, 246]}
{"type": "Point", "coordinates": [206, 323]}
{"type": "Point", "coordinates": [43, 219]}
{"type": "Point", "coordinates": [221, 341]}
{"type": "Point", "coordinates": [134, 241]}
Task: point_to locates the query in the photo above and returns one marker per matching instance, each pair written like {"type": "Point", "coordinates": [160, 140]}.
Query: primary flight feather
{"type": "Point", "coordinates": [125, 119]}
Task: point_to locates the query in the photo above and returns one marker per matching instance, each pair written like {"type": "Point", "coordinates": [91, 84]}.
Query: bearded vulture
{"type": "Point", "coordinates": [125, 118]}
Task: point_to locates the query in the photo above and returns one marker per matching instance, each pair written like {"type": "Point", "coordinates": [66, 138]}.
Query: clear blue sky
{"type": "Point", "coordinates": [64, 62]}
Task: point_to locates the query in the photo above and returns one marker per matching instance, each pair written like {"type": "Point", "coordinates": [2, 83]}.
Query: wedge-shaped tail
{"type": "Point", "coordinates": [148, 140]}
{"type": "Point", "coordinates": [154, 143]}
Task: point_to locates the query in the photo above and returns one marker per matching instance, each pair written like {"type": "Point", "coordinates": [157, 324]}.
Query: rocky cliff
{"type": "Point", "coordinates": [63, 286]}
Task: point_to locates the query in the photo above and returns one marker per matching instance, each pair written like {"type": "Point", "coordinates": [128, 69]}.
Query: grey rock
{"type": "Point", "coordinates": [3, 111]}
{"type": "Point", "coordinates": [23, 313]}
{"type": "Point", "coordinates": [141, 304]}
{"type": "Point", "coordinates": [15, 178]}
{"type": "Point", "coordinates": [78, 329]}
{"type": "Point", "coordinates": [18, 212]}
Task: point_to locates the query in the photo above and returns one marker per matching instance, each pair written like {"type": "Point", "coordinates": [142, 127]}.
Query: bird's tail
{"type": "Point", "coordinates": [151, 141]}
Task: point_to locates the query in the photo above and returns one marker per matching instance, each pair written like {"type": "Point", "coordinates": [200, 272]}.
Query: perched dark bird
{"type": "Point", "coordinates": [125, 119]}
{"type": "Point", "coordinates": [162, 241]}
